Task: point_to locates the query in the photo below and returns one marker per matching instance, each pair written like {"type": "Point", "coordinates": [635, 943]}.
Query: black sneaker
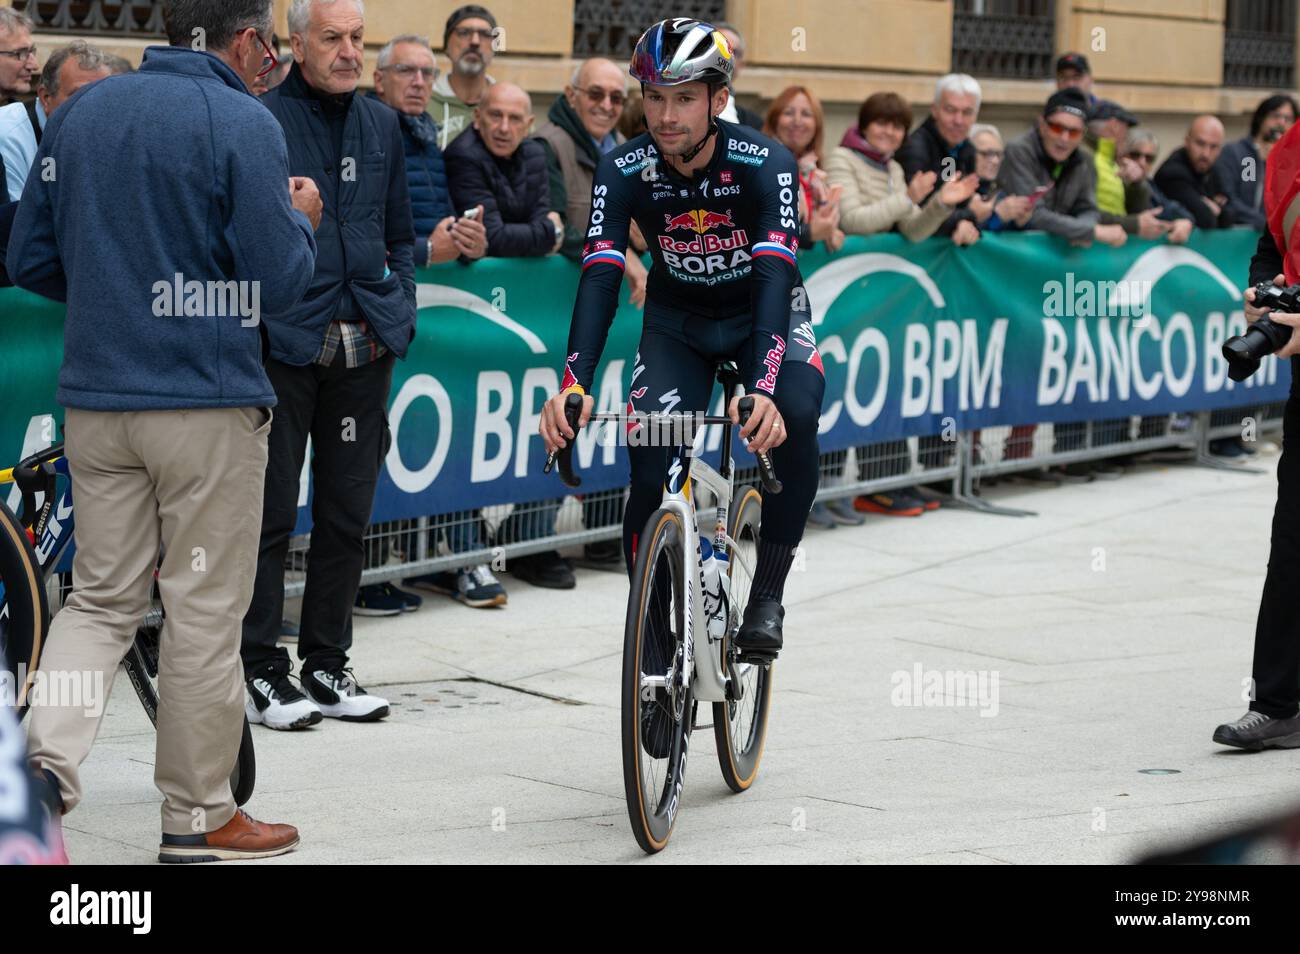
{"type": "Point", "coordinates": [547, 569]}
{"type": "Point", "coordinates": [272, 700]}
{"type": "Point", "coordinates": [760, 636]}
{"type": "Point", "coordinates": [378, 599]}
{"type": "Point", "coordinates": [1256, 731]}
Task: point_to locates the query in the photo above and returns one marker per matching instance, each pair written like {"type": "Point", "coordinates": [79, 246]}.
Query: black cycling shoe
{"type": "Point", "coordinates": [759, 639]}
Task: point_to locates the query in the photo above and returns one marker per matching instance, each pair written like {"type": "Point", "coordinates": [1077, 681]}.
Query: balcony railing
{"type": "Point", "coordinates": [612, 27]}
{"type": "Point", "coordinates": [118, 18]}
{"type": "Point", "coordinates": [1007, 38]}
{"type": "Point", "coordinates": [1259, 44]}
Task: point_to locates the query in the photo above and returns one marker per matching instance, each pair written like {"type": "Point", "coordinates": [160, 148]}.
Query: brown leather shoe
{"type": "Point", "coordinates": [241, 837]}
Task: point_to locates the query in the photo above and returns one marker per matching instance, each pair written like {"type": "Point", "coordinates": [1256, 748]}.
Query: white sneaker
{"type": "Point", "coordinates": [337, 694]}
{"type": "Point", "coordinates": [275, 702]}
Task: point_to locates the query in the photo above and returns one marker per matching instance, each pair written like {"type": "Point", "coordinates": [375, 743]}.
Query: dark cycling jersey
{"type": "Point", "coordinates": [722, 244]}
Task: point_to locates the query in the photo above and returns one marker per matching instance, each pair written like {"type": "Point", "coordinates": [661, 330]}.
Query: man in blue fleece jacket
{"type": "Point", "coordinates": [168, 223]}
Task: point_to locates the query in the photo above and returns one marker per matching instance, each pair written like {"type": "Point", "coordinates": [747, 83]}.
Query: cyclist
{"type": "Point", "coordinates": [717, 203]}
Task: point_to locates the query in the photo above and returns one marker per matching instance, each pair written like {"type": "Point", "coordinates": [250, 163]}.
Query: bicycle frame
{"type": "Point", "coordinates": [687, 471]}
{"type": "Point", "coordinates": [707, 670]}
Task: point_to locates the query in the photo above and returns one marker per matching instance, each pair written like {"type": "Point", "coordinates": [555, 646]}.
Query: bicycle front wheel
{"type": "Point", "coordinates": [656, 710]}
{"type": "Point", "coordinates": [740, 725]}
{"type": "Point", "coordinates": [24, 611]}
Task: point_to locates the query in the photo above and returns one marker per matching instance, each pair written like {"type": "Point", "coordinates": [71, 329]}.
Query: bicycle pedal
{"type": "Point", "coordinates": [757, 659]}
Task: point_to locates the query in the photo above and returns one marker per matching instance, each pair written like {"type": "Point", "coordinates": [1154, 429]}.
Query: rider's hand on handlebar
{"type": "Point", "coordinates": [765, 429]}
{"type": "Point", "coordinates": [554, 428]}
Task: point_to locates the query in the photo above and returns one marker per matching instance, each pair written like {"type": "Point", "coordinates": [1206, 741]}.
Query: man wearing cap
{"type": "Point", "coordinates": [467, 41]}
{"type": "Point", "coordinates": [1121, 200]}
{"type": "Point", "coordinates": [1189, 176]}
{"type": "Point", "coordinates": [1046, 164]}
{"type": "Point", "coordinates": [1241, 164]}
{"type": "Point", "coordinates": [1073, 72]}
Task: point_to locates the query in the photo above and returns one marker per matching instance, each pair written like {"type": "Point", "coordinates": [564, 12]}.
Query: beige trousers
{"type": "Point", "coordinates": [188, 483]}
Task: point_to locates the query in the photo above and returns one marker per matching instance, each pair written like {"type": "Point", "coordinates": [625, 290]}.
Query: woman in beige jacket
{"type": "Point", "coordinates": [874, 196]}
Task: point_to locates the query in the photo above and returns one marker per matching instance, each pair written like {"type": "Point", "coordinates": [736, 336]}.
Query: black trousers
{"type": "Point", "coordinates": [1276, 669]}
{"type": "Point", "coordinates": [675, 367]}
{"type": "Point", "coordinates": [345, 411]}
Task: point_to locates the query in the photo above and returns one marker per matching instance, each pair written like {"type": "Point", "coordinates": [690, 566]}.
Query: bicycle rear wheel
{"type": "Point", "coordinates": [24, 611]}
{"type": "Point", "coordinates": [740, 725]}
{"type": "Point", "coordinates": [657, 712]}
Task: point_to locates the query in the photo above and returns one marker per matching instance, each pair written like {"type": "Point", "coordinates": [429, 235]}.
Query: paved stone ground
{"type": "Point", "coordinates": [1118, 624]}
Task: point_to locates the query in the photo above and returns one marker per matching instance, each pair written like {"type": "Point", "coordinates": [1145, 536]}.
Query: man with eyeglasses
{"type": "Point", "coordinates": [18, 64]}
{"type": "Point", "coordinates": [167, 413]}
{"type": "Point", "coordinates": [22, 125]}
{"type": "Point", "coordinates": [467, 39]}
{"type": "Point", "coordinates": [404, 78]}
{"type": "Point", "coordinates": [581, 128]}
{"type": "Point", "coordinates": [1136, 165]}
{"type": "Point", "coordinates": [1045, 164]}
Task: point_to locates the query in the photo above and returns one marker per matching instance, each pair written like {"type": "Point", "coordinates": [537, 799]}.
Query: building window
{"type": "Point", "coordinates": [1259, 44]}
{"type": "Point", "coordinates": [1008, 38]}
{"type": "Point", "coordinates": [142, 18]}
{"type": "Point", "coordinates": [612, 27]}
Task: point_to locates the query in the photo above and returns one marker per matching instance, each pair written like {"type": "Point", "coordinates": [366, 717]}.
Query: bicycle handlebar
{"type": "Point", "coordinates": [766, 473]}
{"type": "Point", "coordinates": [573, 412]}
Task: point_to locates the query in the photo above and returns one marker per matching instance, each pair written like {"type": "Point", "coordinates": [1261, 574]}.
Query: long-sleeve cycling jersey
{"type": "Point", "coordinates": [722, 243]}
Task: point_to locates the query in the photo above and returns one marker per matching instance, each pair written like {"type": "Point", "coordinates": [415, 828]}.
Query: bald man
{"type": "Point", "coordinates": [1189, 175]}
{"type": "Point", "coordinates": [580, 128]}
{"type": "Point", "coordinates": [495, 165]}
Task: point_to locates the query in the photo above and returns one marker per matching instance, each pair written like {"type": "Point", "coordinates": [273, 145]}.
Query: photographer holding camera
{"type": "Point", "coordinates": [1272, 721]}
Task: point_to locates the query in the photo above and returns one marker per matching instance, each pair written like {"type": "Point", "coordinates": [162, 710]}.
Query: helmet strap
{"type": "Point", "coordinates": [694, 151]}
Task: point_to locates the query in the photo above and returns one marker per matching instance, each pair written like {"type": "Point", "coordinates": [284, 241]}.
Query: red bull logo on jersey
{"type": "Point", "coordinates": [773, 363]}
{"type": "Point", "coordinates": [569, 379]}
{"type": "Point", "coordinates": [702, 222]}
{"type": "Point", "coordinates": [698, 220]}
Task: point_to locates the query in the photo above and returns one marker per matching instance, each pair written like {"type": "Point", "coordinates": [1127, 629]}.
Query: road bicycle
{"type": "Point", "coordinates": [679, 637]}
{"type": "Point", "coordinates": [35, 547]}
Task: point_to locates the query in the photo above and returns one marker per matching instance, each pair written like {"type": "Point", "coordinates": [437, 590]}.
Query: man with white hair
{"type": "Point", "coordinates": [18, 67]}
{"type": "Point", "coordinates": [22, 125]}
{"type": "Point", "coordinates": [18, 64]}
{"type": "Point", "coordinates": [331, 363]}
{"type": "Point", "coordinates": [942, 145]}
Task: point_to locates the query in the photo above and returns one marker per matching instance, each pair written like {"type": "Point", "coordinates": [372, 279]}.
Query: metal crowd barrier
{"type": "Point", "coordinates": [494, 535]}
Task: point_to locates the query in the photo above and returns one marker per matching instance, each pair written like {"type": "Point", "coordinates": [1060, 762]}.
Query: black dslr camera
{"type": "Point", "coordinates": [1264, 337]}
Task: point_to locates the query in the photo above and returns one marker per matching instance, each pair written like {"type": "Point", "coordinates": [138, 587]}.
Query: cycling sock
{"type": "Point", "coordinates": [774, 561]}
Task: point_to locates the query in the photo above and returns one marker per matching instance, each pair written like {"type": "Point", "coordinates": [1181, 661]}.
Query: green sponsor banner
{"type": "Point", "coordinates": [914, 339]}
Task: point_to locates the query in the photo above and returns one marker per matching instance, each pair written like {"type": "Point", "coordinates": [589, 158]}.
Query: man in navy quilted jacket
{"type": "Point", "coordinates": [404, 78]}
